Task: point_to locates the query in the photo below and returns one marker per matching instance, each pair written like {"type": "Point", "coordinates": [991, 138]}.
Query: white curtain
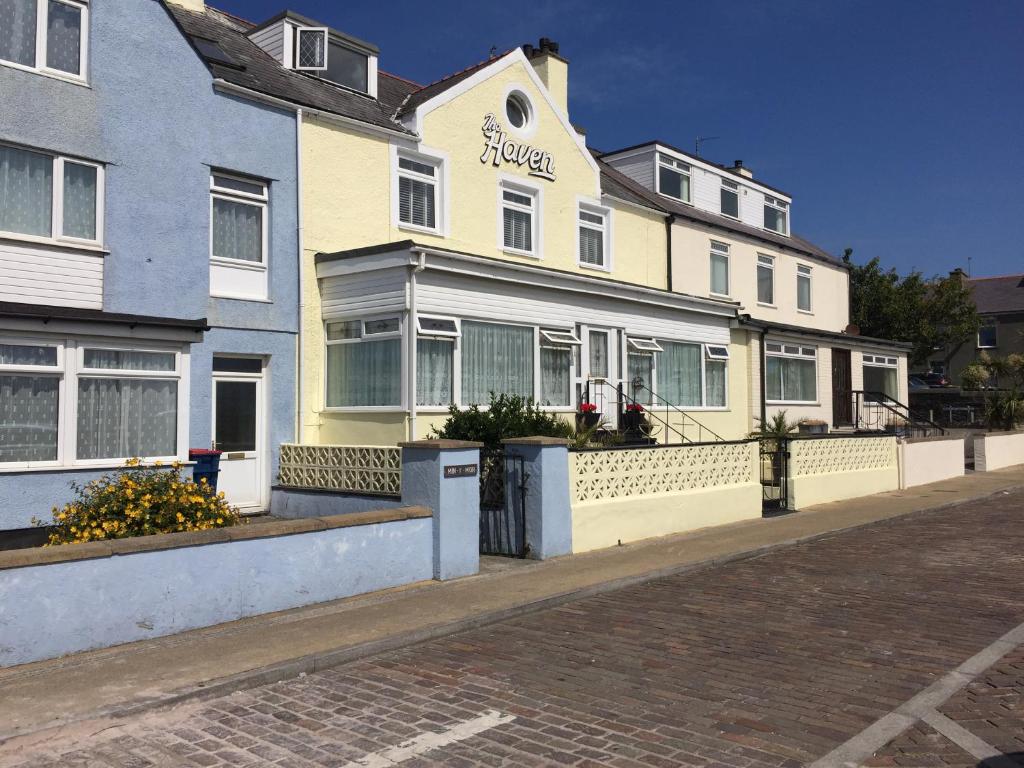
{"type": "Point", "coordinates": [26, 190]}
{"type": "Point", "coordinates": [719, 274]}
{"type": "Point", "coordinates": [879, 379]}
{"type": "Point", "coordinates": [434, 371]}
{"type": "Point", "coordinates": [128, 360]}
{"type": "Point", "coordinates": [791, 379]}
{"type": "Point", "coordinates": [679, 373]}
{"type": "Point", "coordinates": [28, 418]}
{"type": "Point", "coordinates": [714, 373]}
{"type": "Point", "coordinates": [555, 367]}
{"type": "Point", "coordinates": [496, 358]}
{"type": "Point", "coordinates": [367, 373]}
{"type": "Point", "coordinates": [237, 230]}
{"type": "Point", "coordinates": [18, 31]}
{"type": "Point", "coordinates": [79, 200]}
{"type": "Point", "coordinates": [598, 354]}
{"type": "Point", "coordinates": [63, 37]}
{"type": "Point", "coordinates": [638, 365]}
{"type": "Point", "coordinates": [121, 418]}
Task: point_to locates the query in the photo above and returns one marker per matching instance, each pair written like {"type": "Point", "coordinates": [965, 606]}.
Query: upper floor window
{"type": "Point", "coordinates": [50, 196]}
{"type": "Point", "coordinates": [803, 288]}
{"type": "Point", "coordinates": [519, 220]}
{"type": "Point", "coordinates": [776, 213]}
{"type": "Point", "coordinates": [593, 237]}
{"type": "Point", "coordinates": [730, 199]}
{"type": "Point", "coordinates": [238, 236]}
{"type": "Point", "coordinates": [45, 35]}
{"type": "Point", "coordinates": [988, 336]}
{"type": "Point", "coordinates": [719, 268]}
{"type": "Point", "coordinates": [765, 279]}
{"type": "Point", "coordinates": [318, 51]}
{"type": "Point", "coordinates": [417, 192]}
{"type": "Point", "coordinates": [673, 178]}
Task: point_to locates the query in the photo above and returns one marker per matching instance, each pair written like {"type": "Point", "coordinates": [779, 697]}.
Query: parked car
{"type": "Point", "coordinates": [934, 379]}
{"type": "Point", "coordinates": [917, 383]}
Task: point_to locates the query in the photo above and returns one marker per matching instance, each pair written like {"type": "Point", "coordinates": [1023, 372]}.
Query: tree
{"type": "Point", "coordinates": [931, 313]}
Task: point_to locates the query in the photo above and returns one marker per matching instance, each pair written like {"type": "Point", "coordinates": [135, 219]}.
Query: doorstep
{"type": "Point", "coordinates": [105, 684]}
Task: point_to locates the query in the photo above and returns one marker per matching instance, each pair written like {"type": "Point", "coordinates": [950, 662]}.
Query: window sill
{"type": "Point", "coordinates": [775, 232]}
{"type": "Point", "coordinates": [229, 297]}
{"type": "Point", "coordinates": [720, 295]}
{"type": "Point", "coordinates": [522, 254]}
{"type": "Point", "coordinates": [806, 311]}
{"type": "Point", "coordinates": [85, 466]}
{"type": "Point", "coordinates": [594, 267]}
{"type": "Point", "coordinates": [252, 266]}
{"type": "Point", "coordinates": [81, 82]}
{"type": "Point", "coordinates": [49, 242]}
{"type": "Point", "coordinates": [364, 409]}
{"type": "Point", "coordinates": [767, 306]}
{"type": "Point", "coordinates": [805, 403]}
{"type": "Point", "coordinates": [404, 225]}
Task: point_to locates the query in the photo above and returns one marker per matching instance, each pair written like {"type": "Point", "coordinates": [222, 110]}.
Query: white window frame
{"type": "Point", "coordinates": [42, 24]}
{"type": "Point", "coordinates": [404, 396]}
{"type": "Point", "coordinates": [556, 338]}
{"type": "Point", "coordinates": [560, 338]}
{"type": "Point", "coordinates": [718, 248]}
{"type": "Point", "coordinates": [241, 265]}
{"type": "Point", "coordinates": [679, 167]}
{"type": "Point", "coordinates": [716, 351]}
{"type": "Point", "coordinates": [804, 271]}
{"type": "Point", "coordinates": [534, 191]}
{"type": "Point", "coordinates": [785, 350]}
{"type": "Point", "coordinates": [734, 188]}
{"type": "Point", "coordinates": [605, 228]}
{"type": "Point", "coordinates": [765, 262]}
{"type": "Point", "coordinates": [989, 322]}
{"type": "Point", "coordinates": [439, 161]}
{"type": "Point", "coordinates": [57, 235]}
{"type": "Point", "coordinates": [644, 345]}
{"type": "Point", "coordinates": [53, 371]}
{"type": "Point", "coordinates": [779, 205]}
{"type": "Point", "coordinates": [431, 333]}
{"type": "Point", "coordinates": [325, 33]}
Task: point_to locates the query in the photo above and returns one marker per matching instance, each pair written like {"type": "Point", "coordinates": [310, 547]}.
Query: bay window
{"type": "Point", "coordinates": [791, 373]}
{"type": "Point", "coordinates": [557, 367]}
{"type": "Point", "coordinates": [776, 214]}
{"type": "Point", "coordinates": [45, 35]}
{"type": "Point", "coordinates": [881, 376]}
{"type": "Point", "coordinates": [435, 360]}
{"type": "Point", "coordinates": [364, 363]}
{"type": "Point", "coordinates": [496, 358]}
{"type": "Point", "coordinates": [49, 196]}
{"type": "Point", "coordinates": [679, 373]}
{"type": "Point", "coordinates": [673, 178]}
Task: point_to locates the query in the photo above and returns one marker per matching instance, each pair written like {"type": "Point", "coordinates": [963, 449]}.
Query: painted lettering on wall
{"type": "Point", "coordinates": [499, 148]}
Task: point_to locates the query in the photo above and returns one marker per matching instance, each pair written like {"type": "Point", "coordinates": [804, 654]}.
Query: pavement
{"type": "Point", "coordinates": [520, 630]}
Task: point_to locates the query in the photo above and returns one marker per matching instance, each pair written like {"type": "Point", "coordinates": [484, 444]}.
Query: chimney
{"type": "Point", "coordinates": [737, 167]}
{"type": "Point", "coordinates": [958, 274]}
{"type": "Point", "coordinates": [199, 6]}
{"type": "Point", "coordinates": [552, 69]}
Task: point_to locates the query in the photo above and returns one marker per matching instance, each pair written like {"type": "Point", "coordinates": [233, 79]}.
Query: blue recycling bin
{"type": "Point", "coordinates": [207, 464]}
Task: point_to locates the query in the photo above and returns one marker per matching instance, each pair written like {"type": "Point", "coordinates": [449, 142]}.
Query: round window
{"type": "Point", "coordinates": [517, 109]}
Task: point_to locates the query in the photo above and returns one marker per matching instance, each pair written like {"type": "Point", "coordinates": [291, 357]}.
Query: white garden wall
{"type": "Point", "coordinates": [926, 460]}
{"type": "Point", "coordinates": [995, 450]}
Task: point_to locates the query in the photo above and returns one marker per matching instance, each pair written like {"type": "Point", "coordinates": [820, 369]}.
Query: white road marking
{"type": "Point", "coordinates": [862, 746]}
{"type": "Point", "coordinates": [429, 741]}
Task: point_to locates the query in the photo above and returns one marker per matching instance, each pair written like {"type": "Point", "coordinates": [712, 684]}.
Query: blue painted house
{"type": "Point", "coordinates": [148, 254]}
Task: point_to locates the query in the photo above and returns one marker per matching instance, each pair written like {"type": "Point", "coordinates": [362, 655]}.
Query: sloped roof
{"type": "Point", "coordinates": [994, 295]}
{"type": "Point", "coordinates": [617, 184]}
{"type": "Point", "coordinates": [253, 68]}
{"type": "Point", "coordinates": [428, 92]}
{"type": "Point", "coordinates": [393, 90]}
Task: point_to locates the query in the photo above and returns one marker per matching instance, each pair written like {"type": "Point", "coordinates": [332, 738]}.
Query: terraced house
{"type": "Point", "coordinates": [148, 255]}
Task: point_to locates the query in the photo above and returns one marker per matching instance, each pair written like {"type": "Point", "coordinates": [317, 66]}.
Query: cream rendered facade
{"type": "Point", "coordinates": [350, 202]}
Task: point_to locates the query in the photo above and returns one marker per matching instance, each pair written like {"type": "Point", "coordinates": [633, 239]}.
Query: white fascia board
{"type": "Point", "coordinates": [371, 262]}
{"type": "Point", "coordinates": [100, 331]}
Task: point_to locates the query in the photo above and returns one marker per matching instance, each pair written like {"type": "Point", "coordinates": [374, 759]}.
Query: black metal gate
{"type": "Point", "coordinates": [502, 504]}
{"type": "Point", "coordinates": [774, 473]}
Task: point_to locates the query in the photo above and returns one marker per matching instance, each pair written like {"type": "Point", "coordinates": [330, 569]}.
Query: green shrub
{"type": "Point", "coordinates": [506, 416]}
{"type": "Point", "coordinates": [139, 502]}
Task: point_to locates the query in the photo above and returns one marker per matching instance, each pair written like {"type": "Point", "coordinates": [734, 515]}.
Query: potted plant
{"type": "Point", "coordinates": [773, 433]}
{"type": "Point", "coordinates": [813, 427]}
{"type": "Point", "coordinates": [633, 419]}
{"type": "Point", "coordinates": [587, 417]}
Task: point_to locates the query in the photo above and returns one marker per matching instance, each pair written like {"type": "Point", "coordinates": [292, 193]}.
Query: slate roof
{"type": "Point", "coordinates": [256, 70]}
{"type": "Point", "coordinates": [428, 92]}
{"type": "Point", "coordinates": [393, 90]}
{"type": "Point", "coordinates": [994, 295]}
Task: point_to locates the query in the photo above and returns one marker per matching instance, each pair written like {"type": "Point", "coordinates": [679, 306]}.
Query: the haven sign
{"type": "Point", "coordinates": [499, 148]}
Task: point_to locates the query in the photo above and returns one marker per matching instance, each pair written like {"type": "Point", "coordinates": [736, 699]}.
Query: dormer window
{"type": "Point", "coordinates": [776, 215]}
{"type": "Point", "coordinates": [673, 178]}
{"type": "Point", "coordinates": [347, 67]}
{"type": "Point", "coordinates": [323, 53]}
{"type": "Point", "coordinates": [311, 48]}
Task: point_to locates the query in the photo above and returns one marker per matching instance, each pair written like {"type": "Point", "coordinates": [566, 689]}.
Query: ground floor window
{"type": "Point", "coordinates": [66, 401]}
{"type": "Point", "coordinates": [496, 358]}
{"type": "Point", "coordinates": [791, 373]}
{"type": "Point", "coordinates": [881, 375]}
{"type": "Point", "coordinates": [435, 365]}
{"type": "Point", "coordinates": [364, 363]}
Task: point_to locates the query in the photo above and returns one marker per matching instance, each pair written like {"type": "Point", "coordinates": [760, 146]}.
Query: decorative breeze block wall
{"type": "Point", "coordinates": [371, 469]}
{"type": "Point", "coordinates": [825, 456]}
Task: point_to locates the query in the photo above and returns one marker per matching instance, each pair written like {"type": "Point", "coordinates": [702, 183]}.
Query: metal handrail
{"type": "Point", "coordinates": [619, 406]}
{"type": "Point", "coordinates": [913, 420]}
{"type": "Point", "coordinates": [701, 429]}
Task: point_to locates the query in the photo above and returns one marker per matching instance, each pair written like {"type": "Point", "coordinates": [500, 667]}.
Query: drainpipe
{"type": "Point", "coordinates": [669, 221]}
{"type": "Point", "coordinates": [764, 381]}
{"type": "Point", "coordinates": [420, 266]}
{"type": "Point", "coordinates": [299, 338]}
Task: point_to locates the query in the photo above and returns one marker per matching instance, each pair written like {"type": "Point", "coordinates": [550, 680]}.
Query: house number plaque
{"type": "Point", "coordinates": [460, 470]}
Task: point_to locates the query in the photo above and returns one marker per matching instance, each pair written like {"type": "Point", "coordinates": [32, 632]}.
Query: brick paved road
{"type": "Point", "coordinates": [768, 662]}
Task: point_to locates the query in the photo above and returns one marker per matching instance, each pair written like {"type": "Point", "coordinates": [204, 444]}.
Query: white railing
{"type": "Point", "coordinates": [370, 469]}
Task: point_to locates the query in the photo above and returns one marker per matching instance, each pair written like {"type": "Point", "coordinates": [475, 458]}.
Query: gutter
{"type": "Point", "coordinates": [764, 379]}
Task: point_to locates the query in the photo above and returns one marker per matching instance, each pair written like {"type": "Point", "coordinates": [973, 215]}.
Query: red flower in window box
{"type": "Point", "coordinates": [634, 408]}
{"type": "Point", "coordinates": [588, 408]}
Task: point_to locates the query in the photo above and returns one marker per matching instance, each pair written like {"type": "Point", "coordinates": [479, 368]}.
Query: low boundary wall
{"type": "Point", "coordinates": [926, 460]}
{"type": "Point", "coordinates": [996, 450]}
{"type": "Point", "coordinates": [623, 495]}
{"type": "Point", "coordinates": [76, 597]}
{"type": "Point", "coordinates": [823, 469]}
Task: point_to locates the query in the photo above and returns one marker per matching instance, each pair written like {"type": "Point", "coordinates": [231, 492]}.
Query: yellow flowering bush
{"type": "Point", "coordinates": [139, 501]}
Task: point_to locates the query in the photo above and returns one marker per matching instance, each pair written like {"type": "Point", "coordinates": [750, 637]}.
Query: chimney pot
{"type": "Point", "coordinates": [528, 50]}
{"type": "Point", "coordinates": [737, 163]}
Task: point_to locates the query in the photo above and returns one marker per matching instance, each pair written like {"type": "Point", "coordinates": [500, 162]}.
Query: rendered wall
{"type": "Point", "coordinates": [835, 468]}
{"type": "Point", "coordinates": [928, 460]}
{"type": "Point", "coordinates": [995, 451]}
{"type": "Point", "coordinates": [59, 608]}
{"type": "Point", "coordinates": [632, 494]}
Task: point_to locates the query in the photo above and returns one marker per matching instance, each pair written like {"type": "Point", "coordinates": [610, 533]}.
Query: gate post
{"type": "Point", "coordinates": [444, 476]}
{"type": "Point", "coordinates": [548, 517]}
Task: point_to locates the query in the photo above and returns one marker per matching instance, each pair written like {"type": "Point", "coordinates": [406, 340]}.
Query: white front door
{"type": "Point", "coordinates": [600, 372]}
{"type": "Point", "coordinates": [238, 418]}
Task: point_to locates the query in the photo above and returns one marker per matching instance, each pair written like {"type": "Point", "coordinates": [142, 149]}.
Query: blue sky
{"type": "Point", "coordinates": [898, 127]}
